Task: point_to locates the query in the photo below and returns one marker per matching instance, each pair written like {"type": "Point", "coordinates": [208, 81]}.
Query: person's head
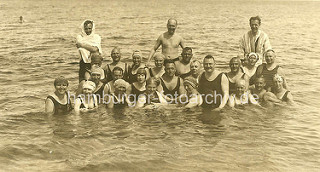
{"type": "Point", "coordinates": [186, 54]}
{"type": "Point", "coordinates": [61, 84]}
{"type": "Point", "coordinates": [259, 83]}
{"type": "Point", "coordinates": [209, 63]}
{"type": "Point", "coordinates": [235, 64]}
{"type": "Point", "coordinates": [88, 87]}
{"type": "Point", "coordinates": [141, 75]}
{"type": "Point", "coordinates": [169, 67]}
{"type": "Point", "coordinates": [270, 56]}
{"type": "Point", "coordinates": [120, 86]}
{"type": "Point", "coordinates": [117, 73]}
{"type": "Point", "coordinates": [151, 85]}
{"type": "Point", "coordinates": [96, 75]}
{"type": "Point", "coordinates": [190, 84]}
{"type": "Point", "coordinates": [172, 25]}
{"type": "Point", "coordinates": [255, 23]}
{"type": "Point", "coordinates": [158, 60]}
{"type": "Point", "coordinates": [88, 26]}
{"type": "Point", "coordinates": [277, 82]}
{"type": "Point", "coordinates": [116, 54]}
{"type": "Point", "coordinates": [241, 87]}
{"type": "Point", "coordinates": [195, 66]}
{"type": "Point", "coordinates": [136, 58]}
{"type": "Point", "coordinates": [96, 59]}
{"type": "Point", "coordinates": [252, 59]}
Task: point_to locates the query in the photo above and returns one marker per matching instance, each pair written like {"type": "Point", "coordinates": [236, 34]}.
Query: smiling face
{"type": "Point", "coordinates": [270, 56]}
{"type": "Point", "coordinates": [278, 83]}
{"type": "Point", "coordinates": [61, 88]}
{"type": "Point", "coordinates": [240, 87]}
{"type": "Point", "coordinates": [234, 65]}
{"type": "Point", "coordinates": [117, 74]}
{"type": "Point", "coordinates": [252, 60]}
{"type": "Point", "coordinates": [208, 64]}
{"type": "Point", "coordinates": [254, 25]}
{"type": "Point", "coordinates": [170, 69]}
{"type": "Point", "coordinates": [151, 88]}
{"type": "Point", "coordinates": [136, 59]}
{"type": "Point", "coordinates": [171, 25]}
{"type": "Point", "coordinates": [158, 61]}
{"type": "Point", "coordinates": [88, 29]}
{"type": "Point", "coordinates": [186, 55]}
{"type": "Point", "coordinates": [259, 84]}
{"type": "Point", "coordinates": [115, 55]}
{"type": "Point", "coordinates": [194, 67]}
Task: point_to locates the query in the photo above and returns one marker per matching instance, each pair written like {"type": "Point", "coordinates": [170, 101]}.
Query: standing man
{"type": "Point", "coordinates": [255, 41]}
{"type": "Point", "coordinates": [87, 43]}
{"type": "Point", "coordinates": [116, 61]}
{"type": "Point", "coordinates": [170, 42]}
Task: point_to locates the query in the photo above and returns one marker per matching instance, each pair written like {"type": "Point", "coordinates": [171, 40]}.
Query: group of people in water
{"type": "Point", "coordinates": [254, 77]}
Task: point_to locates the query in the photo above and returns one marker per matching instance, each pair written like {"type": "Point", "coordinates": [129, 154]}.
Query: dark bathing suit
{"type": "Point", "coordinates": [82, 104]}
{"type": "Point", "coordinates": [61, 108]}
{"type": "Point", "coordinates": [166, 91]}
{"type": "Point", "coordinates": [268, 75]}
{"type": "Point", "coordinates": [136, 92]}
{"type": "Point", "coordinates": [108, 73]}
{"type": "Point", "coordinates": [212, 88]}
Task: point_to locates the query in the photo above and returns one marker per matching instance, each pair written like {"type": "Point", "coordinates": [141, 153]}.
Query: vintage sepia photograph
{"type": "Point", "coordinates": [159, 85]}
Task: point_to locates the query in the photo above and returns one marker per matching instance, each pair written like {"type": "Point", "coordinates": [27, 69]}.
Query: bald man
{"type": "Point", "coordinates": [170, 42]}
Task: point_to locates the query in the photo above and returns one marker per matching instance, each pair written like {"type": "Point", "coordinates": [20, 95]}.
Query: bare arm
{"type": "Point", "coordinates": [77, 104]}
{"type": "Point", "coordinates": [49, 107]}
{"type": "Point", "coordinates": [110, 102]}
{"type": "Point", "coordinates": [154, 49]}
{"type": "Point", "coordinates": [182, 43]}
{"type": "Point", "coordinates": [290, 99]}
{"type": "Point", "coordinates": [225, 91]}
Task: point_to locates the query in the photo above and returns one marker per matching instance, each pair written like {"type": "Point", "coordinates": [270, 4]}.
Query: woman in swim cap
{"type": "Point", "coordinates": [87, 100]}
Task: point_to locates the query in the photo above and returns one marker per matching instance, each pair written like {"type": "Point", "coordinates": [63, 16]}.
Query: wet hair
{"type": "Point", "coordinates": [187, 49]}
{"type": "Point", "coordinates": [142, 71]}
{"type": "Point", "coordinates": [235, 58]}
{"type": "Point", "coordinates": [174, 20]}
{"type": "Point", "coordinates": [260, 77]}
{"type": "Point", "coordinates": [60, 80]}
{"type": "Point", "coordinates": [96, 56]}
{"type": "Point", "coordinates": [269, 50]}
{"type": "Point", "coordinates": [255, 18]}
{"type": "Point", "coordinates": [87, 22]}
{"type": "Point", "coordinates": [209, 57]}
{"type": "Point", "coordinates": [159, 55]}
{"type": "Point", "coordinates": [117, 68]}
{"type": "Point", "coordinates": [167, 61]}
{"type": "Point", "coordinates": [115, 48]}
{"type": "Point", "coordinates": [153, 80]}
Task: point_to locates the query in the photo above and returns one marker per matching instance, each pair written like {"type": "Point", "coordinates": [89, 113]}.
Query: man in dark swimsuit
{"type": "Point", "coordinates": [213, 85]}
{"type": "Point", "coordinates": [172, 86]}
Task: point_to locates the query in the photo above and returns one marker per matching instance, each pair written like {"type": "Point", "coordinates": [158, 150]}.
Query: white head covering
{"type": "Point", "coordinates": [254, 54]}
{"type": "Point", "coordinates": [277, 77]}
{"type": "Point", "coordinates": [90, 85]}
{"type": "Point", "coordinates": [121, 83]}
{"type": "Point", "coordinates": [83, 33]}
